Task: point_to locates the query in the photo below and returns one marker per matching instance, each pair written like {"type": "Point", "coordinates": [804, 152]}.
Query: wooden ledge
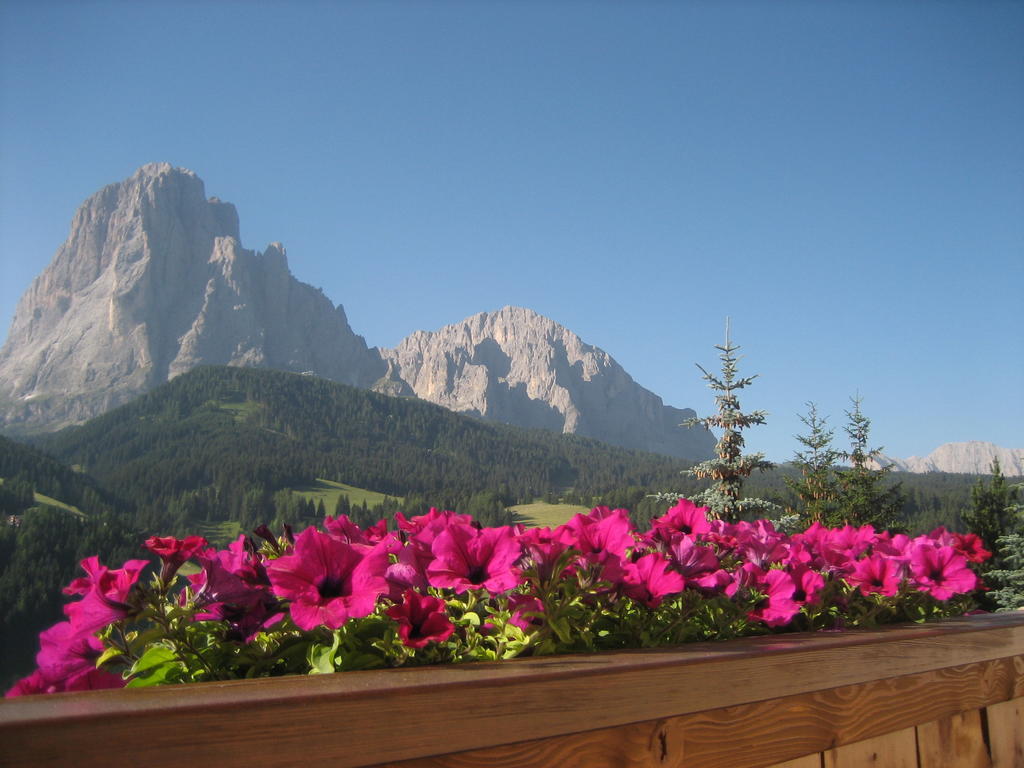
{"type": "Point", "coordinates": [363, 718]}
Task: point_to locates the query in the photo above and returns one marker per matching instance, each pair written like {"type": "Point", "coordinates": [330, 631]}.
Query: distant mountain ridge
{"type": "Point", "coordinates": [153, 281]}
{"type": "Point", "coordinates": [974, 457]}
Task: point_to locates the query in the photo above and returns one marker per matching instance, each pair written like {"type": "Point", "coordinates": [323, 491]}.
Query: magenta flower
{"type": "Point", "coordinates": [877, 574]}
{"type": "Point", "coordinates": [941, 571]}
{"type": "Point", "coordinates": [602, 534]}
{"type": "Point", "coordinates": [971, 546]}
{"type": "Point", "coordinates": [327, 580]}
{"type": "Point", "coordinates": [343, 529]}
{"type": "Point", "coordinates": [690, 558]}
{"type": "Point", "coordinates": [685, 517]}
{"type": "Point", "coordinates": [90, 680]}
{"type": "Point", "coordinates": [527, 611]}
{"type": "Point", "coordinates": [809, 585]}
{"type": "Point", "coordinates": [65, 653]}
{"type": "Point", "coordinates": [468, 558]}
{"type": "Point", "coordinates": [173, 552]}
{"type": "Point", "coordinates": [650, 580]}
{"type": "Point", "coordinates": [234, 587]}
{"type": "Point", "coordinates": [422, 619]}
{"type": "Point", "coordinates": [106, 595]}
{"type": "Point", "coordinates": [543, 549]}
{"type": "Point", "coordinates": [776, 607]}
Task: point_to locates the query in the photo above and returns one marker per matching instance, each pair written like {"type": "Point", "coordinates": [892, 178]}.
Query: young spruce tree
{"type": "Point", "coordinates": [731, 466]}
{"type": "Point", "coordinates": [817, 487]}
{"type": "Point", "coordinates": [864, 498]}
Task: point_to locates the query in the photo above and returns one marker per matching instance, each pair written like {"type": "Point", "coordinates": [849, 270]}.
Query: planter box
{"type": "Point", "coordinates": [949, 693]}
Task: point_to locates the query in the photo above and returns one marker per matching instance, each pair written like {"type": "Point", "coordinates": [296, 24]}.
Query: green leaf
{"type": "Point", "coordinates": [157, 665]}
{"type": "Point", "coordinates": [107, 655]}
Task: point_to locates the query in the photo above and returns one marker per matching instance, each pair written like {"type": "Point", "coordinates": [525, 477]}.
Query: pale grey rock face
{"type": "Point", "coordinates": [519, 367]}
{"type": "Point", "coordinates": [152, 281]}
{"type": "Point", "coordinates": [973, 457]}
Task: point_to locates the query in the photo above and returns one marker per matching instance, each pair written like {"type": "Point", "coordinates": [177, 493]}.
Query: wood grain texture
{"type": "Point", "coordinates": [365, 718]}
{"type": "Point", "coordinates": [1006, 733]}
{"type": "Point", "coordinates": [893, 750]}
{"type": "Point", "coordinates": [957, 741]}
{"type": "Point", "coordinates": [755, 734]}
{"type": "Point", "coordinates": [810, 761]}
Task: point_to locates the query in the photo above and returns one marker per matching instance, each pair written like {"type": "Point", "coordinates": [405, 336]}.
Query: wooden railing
{"type": "Point", "coordinates": [943, 694]}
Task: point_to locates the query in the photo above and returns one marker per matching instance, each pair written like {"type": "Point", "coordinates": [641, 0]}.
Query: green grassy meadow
{"type": "Point", "coordinates": [538, 514]}
{"type": "Point", "coordinates": [329, 491]}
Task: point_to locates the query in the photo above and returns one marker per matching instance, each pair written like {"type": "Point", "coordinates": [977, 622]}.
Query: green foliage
{"type": "Point", "coordinates": [1007, 582]}
{"type": "Point", "coordinates": [992, 514]}
{"type": "Point", "coordinates": [219, 444]}
{"type": "Point", "coordinates": [864, 497]}
{"type": "Point", "coordinates": [729, 469]}
{"type": "Point", "coordinates": [817, 488]}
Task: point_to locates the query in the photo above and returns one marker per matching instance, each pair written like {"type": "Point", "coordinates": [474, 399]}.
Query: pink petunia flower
{"type": "Point", "coordinates": [600, 535]}
{"type": "Point", "coordinates": [106, 595]}
{"type": "Point", "coordinates": [468, 558]}
{"type": "Point", "coordinates": [971, 546]}
{"type": "Point", "coordinates": [941, 571]}
{"type": "Point", "coordinates": [173, 552]}
{"type": "Point", "coordinates": [422, 619]}
{"type": "Point", "coordinates": [327, 580]}
{"type": "Point", "coordinates": [877, 574]}
{"type": "Point", "coordinates": [684, 518]}
{"type": "Point", "coordinates": [777, 606]}
{"type": "Point", "coordinates": [650, 580]}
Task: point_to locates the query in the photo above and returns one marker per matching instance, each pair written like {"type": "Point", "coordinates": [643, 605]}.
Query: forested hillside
{"type": "Point", "coordinates": [219, 443]}
{"type": "Point", "coordinates": [52, 518]}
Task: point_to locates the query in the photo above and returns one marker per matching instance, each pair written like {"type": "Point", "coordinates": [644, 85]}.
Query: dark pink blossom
{"type": "Point", "coordinates": [971, 546]}
{"type": "Point", "coordinates": [776, 607]}
{"type": "Point", "coordinates": [173, 552]}
{"type": "Point", "coordinates": [90, 680]}
{"type": "Point", "coordinates": [469, 558]}
{"type": "Point", "coordinates": [65, 653]}
{"type": "Point", "coordinates": [527, 611]}
{"type": "Point", "coordinates": [234, 587]}
{"type": "Point", "coordinates": [106, 594]}
{"type": "Point", "coordinates": [877, 574]}
{"type": "Point", "coordinates": [941, 571]}
{"type": "Point", "coordinates": [602, 534]}
{"type": "Point", "coordinates": [327, 580]}
{"type": "Point", "coordinates": [422, 619]}
{"type": "Point", "coordinates": [683, 518]}
{"type": "Point", "coordinates": [809, 585]}
{"type": "Point", "coordinates": [544, 550]}
{"type": "Point", "coordinates": [690, 558]}
{"type": "Point", "coordinates": [650, 580]}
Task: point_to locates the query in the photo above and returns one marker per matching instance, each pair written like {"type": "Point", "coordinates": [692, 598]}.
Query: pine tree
{"type": "Point", "coordinates": [817, 488]}
{"type": "Point", "coordinates": [991, 514]}
{"type": "Point", "coordinates": [863, 498]}
{"type": "Point", "coordinates": [731, 465]}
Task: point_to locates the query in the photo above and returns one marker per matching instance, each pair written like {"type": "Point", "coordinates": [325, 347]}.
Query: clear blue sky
{"type": "Point", "coordinates": [844, 179]}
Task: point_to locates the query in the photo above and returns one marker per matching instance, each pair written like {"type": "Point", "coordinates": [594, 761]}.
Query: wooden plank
{"type": "Point", "coordinates": [350, 718]}
{"type": "Point", "coordinates": [957, 741]}
{"type": "Point", "coordinates": [809, 761]}
{"type": "Point", "coordinates": [893, 750]}
{"type": "Point", "coordinates": [762, 732]}
{"type": "Point", "coordinates": [1006, 733]}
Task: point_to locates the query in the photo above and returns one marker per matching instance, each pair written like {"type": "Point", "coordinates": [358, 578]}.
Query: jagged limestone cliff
{"type": "Point", "coordinates": [151, 282]}
{"type": "Point", "coordinates": [522, 368]}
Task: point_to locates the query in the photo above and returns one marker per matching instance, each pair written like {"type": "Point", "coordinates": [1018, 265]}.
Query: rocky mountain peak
{"type": "Point", "coordinates": [517, 366]}
{"type": "Point", "coordinates": [973, 457]}
{"type": "Point", "coordinates": [152, 281]}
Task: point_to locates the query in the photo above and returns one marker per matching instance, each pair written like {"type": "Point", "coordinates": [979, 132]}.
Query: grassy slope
{"type": "Point", "coordinates": [42, 498]}
{"type": "Point", "coordinates": [329, 491]}
{"type": "Point", "coordinates": [539, 514]}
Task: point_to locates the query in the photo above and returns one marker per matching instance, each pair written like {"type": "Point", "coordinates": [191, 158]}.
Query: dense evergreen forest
{"type": "Point", "coordinates": [229, 444]}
